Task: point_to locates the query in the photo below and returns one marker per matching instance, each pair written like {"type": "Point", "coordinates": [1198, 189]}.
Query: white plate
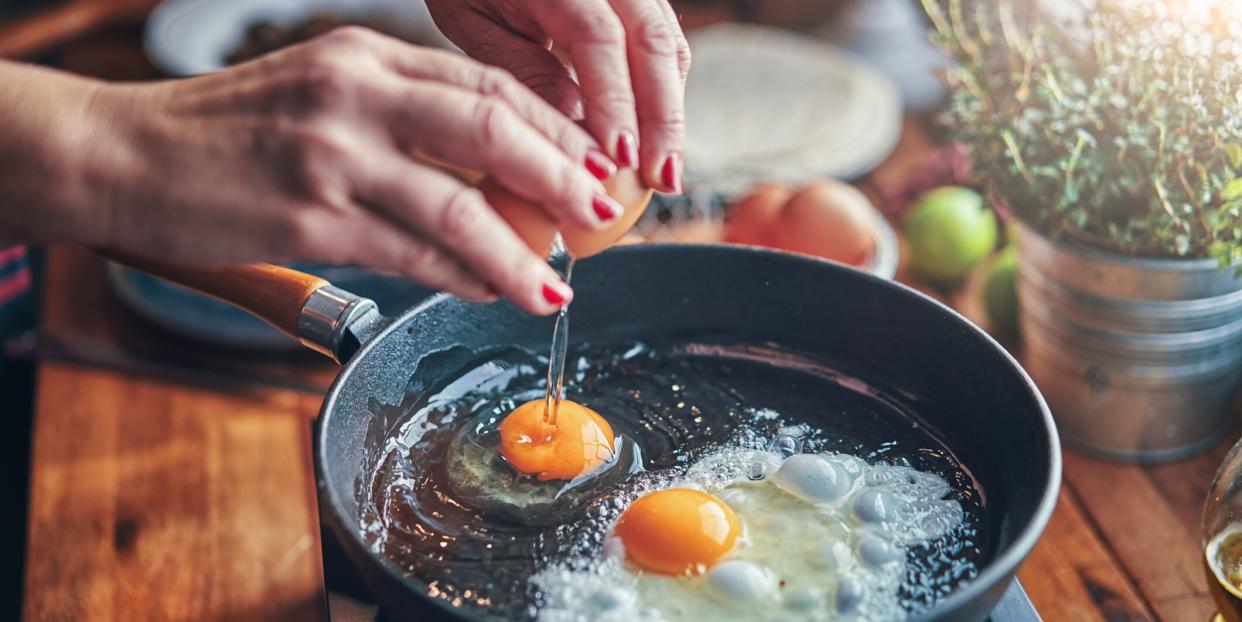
{"type": "Point", "coordinates": [766, 105]}
{"type": "Point", "coordinates": [190, 37]}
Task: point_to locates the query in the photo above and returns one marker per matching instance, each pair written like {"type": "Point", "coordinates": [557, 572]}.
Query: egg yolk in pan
{"type": "Point", "coordinates": [677, 531]}
{"type": "Point", "coordinates": [579, 442]}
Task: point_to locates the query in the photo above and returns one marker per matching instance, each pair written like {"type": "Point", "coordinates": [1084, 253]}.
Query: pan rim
{"type": "Point", "coordinates": [1004, 564]}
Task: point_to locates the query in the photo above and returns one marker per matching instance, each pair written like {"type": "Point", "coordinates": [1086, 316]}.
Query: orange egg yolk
{"type": "Point", "coordinates": [579, 442]}
{"type": "Point", "coordinates": [677, 531]}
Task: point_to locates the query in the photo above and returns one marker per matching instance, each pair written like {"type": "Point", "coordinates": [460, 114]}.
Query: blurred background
{"type": "Point", "coordinates": [814, 126]}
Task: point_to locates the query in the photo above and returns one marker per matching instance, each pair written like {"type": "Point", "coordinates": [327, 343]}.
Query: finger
{"type": "Point", "coordinates": [441, 66]}
{"type": "Point", "coordinates": [527, 59]}
{"type": "Point", "coordinates": [592, 34]}
{"type": "Point", "coordinates": [683, 46]}
{"type": "Point", "coordinates": [384, 246]}
{"type": "Point", "coordinates": [483, 132]}
{"type": "Point", "coordinates": [465, 226]}
{"type": "Point", "coordinates": [658, 89]}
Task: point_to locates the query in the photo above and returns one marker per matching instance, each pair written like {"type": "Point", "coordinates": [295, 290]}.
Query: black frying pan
{"type": "Point", "coordinates": [964, 384]}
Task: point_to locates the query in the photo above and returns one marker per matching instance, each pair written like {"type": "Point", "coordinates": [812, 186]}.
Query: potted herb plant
{"type": "Point", "coordinates": [1115, 139]}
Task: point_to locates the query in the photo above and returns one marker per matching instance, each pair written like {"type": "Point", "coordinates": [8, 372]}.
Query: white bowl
{"type": "Point", "coordinates": [191, 37]}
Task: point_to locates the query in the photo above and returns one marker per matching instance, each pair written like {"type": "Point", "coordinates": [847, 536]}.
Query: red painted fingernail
{"type": "Point", "coordinates": [670, 173]}
{"type": "Point", "coordinates": [598, 164]}
{"type": "Point", "coordinates": [606, 208]}
{"type": "Point", "coordinates": [557, 293]}
{"type": "Point", "coordinates": [627, 150]}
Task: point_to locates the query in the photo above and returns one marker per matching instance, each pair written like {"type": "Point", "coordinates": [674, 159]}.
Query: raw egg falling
{"type": "Point", "coordinates": [675, 531]}
{"type": "Point", "coordinates": [556, 439]}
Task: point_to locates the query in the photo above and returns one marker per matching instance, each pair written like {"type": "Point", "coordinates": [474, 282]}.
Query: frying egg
{"type": "Point", "coordinates": [830, 220]}
{"type": "Point", "coordinates": [677, 531]}
{"type": "Point", "coordinates": [746, 534]}
{"type": "Point", "coordinates": [576, 444]}
{"type": "Point", "coordinates": [538, 228]}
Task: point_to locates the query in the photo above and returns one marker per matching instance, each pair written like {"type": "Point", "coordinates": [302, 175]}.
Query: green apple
{"type": "Point", "coordinates": [950, 230]}
{"type": "Point", "coordinates": [1000, 296]}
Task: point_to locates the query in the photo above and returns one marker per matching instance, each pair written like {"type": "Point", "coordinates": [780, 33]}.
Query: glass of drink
{"type": "Point", "coordinates": [1222, 538]}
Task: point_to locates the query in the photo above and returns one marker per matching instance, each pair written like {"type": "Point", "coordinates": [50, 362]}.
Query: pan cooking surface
{"type": "Point", "coordinates": [670, 403]}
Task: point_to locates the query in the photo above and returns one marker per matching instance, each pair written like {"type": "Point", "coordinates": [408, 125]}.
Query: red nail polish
{"type": "Point", "coordinates": [599, 165]}
{"type": "Point", "coordinates": [627, 150]}
{"type": "Point", "coordinates": [670, 173]}
{"type": "Point", "coordinates": [606, 208]}
{"type": "Point", "coordinates": [557, 293]}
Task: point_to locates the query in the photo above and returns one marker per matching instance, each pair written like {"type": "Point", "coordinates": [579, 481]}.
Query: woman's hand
{"type": "Point", "coordinates": [308, 154]}
{"type": "Point", "coordinates": [630, 58]}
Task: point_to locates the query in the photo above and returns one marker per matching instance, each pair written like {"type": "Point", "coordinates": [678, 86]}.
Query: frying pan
{"type": "Point", "coordinates": [963, 385]}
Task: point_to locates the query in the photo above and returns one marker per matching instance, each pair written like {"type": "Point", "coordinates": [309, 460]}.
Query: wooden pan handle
{"type": "Point", "coordinates": [274, 294]}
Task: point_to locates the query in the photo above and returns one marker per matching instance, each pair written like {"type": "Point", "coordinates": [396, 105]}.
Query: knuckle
{"type": "Point", "coordinates": [317, 158]}
{"type": "Point", "coordinates": [600, 28]}
{"type": "Point", "coordinates": [318, 144]}
{"type": "Point", "coordinates": [420, 259]}
{"type": "Point", "coordinates": [462, 212]}
{"type": "Point", "coordinates": [350, 36]}
{"type": "Point", "coordinates": [576, 188]}
{"type": "Point", "coordinates": [496, 82]}
{"type": "Point", "coordinates": [493, 123]}
{"type": "Point", "coordinates": [670, 124]}
{"type": "Point", "coordinates": [654, 36]}
{"type": "Point", "coordinates": [326, 82]}
{"type": "Point", "coordinates": [616, 99]}
{"type": "Point", "coordinates": [684, 58]}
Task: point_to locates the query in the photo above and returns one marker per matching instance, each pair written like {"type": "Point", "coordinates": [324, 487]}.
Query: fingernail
{"type": "Point", "coordinates": [670, 173]}
{"type": "Point", "coordinates": [606, 208]}
{"type": "Point", "coordinates": [627, 150]}
{"type": "Point", "coordinates": [599, 165]}
{"type": "Point", "coordinates": [557, 293]}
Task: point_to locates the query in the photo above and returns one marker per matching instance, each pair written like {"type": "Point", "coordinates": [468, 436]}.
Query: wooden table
{"type": "Point", "coordinates": [174, 487]}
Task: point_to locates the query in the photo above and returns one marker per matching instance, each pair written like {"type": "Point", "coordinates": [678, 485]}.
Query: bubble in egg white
{"type": "Point", "coordinates": [850, 594]}
{"type": "Point", "coordinates": [821, 541]}
{"type": "Point", "coordinates": [877, 551]}
{"type": "Point", "coordinates": [806, 600]}
{"type": "Point", "coordinates": [835, 556]}
{"type": "Point", "coordinates": [813, 478]}
{"type": "Point", "coordinates": [612, 599]}
{"type": "Point", "coordinates": [873, 505]}
{"type": "Point", "coordinates": [740, 580]}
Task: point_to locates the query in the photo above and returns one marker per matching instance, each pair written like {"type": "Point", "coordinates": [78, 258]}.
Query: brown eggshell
{"type": "Point", "coordinates": [538, 229]}
{"type": "Point", "coordinates": [628, 189]}
{"type": "Point", "coordinates": [752, 218]}
{"type": "Point", "coordinates": [830, 220]}
{"type": "Point", "coordinates": [528, 220]}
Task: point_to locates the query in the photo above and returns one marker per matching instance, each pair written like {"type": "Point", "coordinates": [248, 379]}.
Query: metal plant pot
{"type": "Point", "coordinates": [1138, 358]}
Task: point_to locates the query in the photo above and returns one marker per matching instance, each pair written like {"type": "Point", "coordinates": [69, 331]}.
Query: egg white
{"type": "Point", "coordinates": [824, 538]}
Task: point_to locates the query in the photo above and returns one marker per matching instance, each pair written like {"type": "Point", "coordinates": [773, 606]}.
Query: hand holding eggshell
{"type": "Point", "coordinates": [538, 228]}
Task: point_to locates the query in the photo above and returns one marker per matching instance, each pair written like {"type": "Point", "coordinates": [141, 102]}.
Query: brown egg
{"type": "Point", "coordinates": [830, 220]}
{"type": "Point", "coordinates": [538, 229]}
{"type": "Point", "coordinates": [752, 218]}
